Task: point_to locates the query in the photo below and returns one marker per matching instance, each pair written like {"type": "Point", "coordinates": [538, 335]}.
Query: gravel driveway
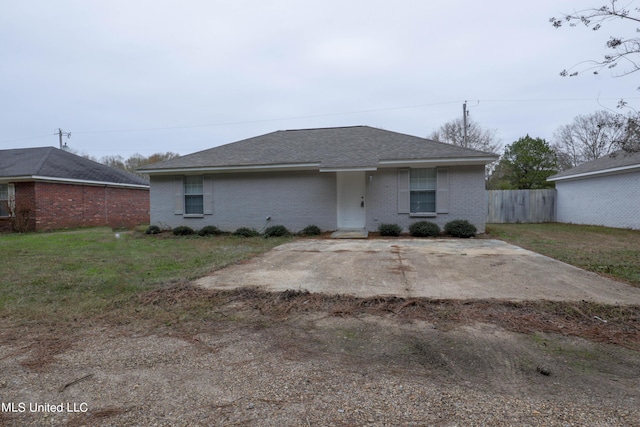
{"type": "Point", "coordinates": [237, 365]}
{"type": "Point", "coordinates": [430, 268]}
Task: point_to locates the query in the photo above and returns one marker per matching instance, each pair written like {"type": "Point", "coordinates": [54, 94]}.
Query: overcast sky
{"type": "Point", "coordinates": [127, 76]}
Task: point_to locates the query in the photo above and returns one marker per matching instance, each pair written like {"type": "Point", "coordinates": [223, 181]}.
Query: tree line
{"type": "Point", "coordinates": [529, 161]}
{"type": "Point", "coordinates": [135, 161]}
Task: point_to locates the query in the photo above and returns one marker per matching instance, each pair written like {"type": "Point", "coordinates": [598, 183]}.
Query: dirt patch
{"type": "Point", "coordinates": [618, 325]}
{"type": "Point", "coordinates": [38, 351]}
{"type": "Point", "coordinates": [297, 358]}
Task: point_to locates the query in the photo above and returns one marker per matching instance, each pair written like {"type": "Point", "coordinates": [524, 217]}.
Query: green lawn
{"type": "Point", "coordinates": [89, 273]}
{"type": "Point", "coordinates": [611, 251]}
{"type": "Point", "coordinates": [82, 275]}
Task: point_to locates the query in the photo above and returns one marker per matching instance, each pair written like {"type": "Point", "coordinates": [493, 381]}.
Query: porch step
{"type": "Point", "coordinates": [350, 233]}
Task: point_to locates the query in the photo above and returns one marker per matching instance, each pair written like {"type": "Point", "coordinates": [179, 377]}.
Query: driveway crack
{"type": "Point", "coordinates": [402, 268]}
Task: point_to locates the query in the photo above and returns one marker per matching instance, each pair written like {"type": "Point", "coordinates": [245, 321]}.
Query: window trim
{"type": "Point", "coordinates": [179, 195]}
{"type": "Point", "coordinates": [190, 193]}
{"type": "Point", "coordinates": [443, 183]}
{"type": "Point", "coordinates": [433, 190]}
{"type": "Point", "coordinates": [10, 200]}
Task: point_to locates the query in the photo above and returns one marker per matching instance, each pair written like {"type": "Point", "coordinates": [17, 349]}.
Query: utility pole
{"type": "Point", "coordinates": [60, 133]}
{"type": "Point", "coordinates": [464, 122]}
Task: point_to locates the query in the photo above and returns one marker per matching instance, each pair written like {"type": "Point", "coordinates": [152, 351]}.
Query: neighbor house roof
{"type": "Point", "coordinates": [617, 162]}
{"type": "Point", "coordinates": [53, 164]}
{"type": "Point", "coordinates": [326, 149]}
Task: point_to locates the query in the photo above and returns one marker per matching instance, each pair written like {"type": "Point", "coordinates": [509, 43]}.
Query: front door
{"type": "Point", "coordinates": [351, 210]}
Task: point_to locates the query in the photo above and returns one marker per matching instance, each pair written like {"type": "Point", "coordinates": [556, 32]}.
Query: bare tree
{"type": "Point", "coordinates": [20, 215]}
{"type": "Point", "coordinates": [588, 137]}
{"type": "Point", "coordinates": [621, 51]}
{"type": "Point", "coordinates": [478, 138]}
{"type": "Point", "coordinates": [136, 161]}
{"type": "Point", "coordinates": [116, 162]}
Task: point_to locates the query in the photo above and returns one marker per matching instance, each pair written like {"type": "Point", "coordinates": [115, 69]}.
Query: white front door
{"type": "Point", "coordinates": [351, 209]}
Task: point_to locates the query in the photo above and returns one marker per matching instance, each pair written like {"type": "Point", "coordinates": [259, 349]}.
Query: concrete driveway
{"type": "Point", "coordinates": [430, 268]}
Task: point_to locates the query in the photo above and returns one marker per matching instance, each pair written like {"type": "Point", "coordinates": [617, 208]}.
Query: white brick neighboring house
{"type": "Point", "coordinates": [605, 192]}
{"type": "Point", "coordinates": [335, 178]}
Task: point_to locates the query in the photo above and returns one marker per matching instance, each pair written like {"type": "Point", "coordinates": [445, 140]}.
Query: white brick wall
{"type": "Point", "coordinates": [612, 201]}
{"type": "Point", "coordinates": [245, 200]}
{"type": "Point", "coordinates": [467, 198]}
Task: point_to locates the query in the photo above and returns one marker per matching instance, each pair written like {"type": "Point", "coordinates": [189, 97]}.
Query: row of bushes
{"type": "Point", "coordinates": [212, 230]}
{"type": "Point", "coordinates": [456, 228]}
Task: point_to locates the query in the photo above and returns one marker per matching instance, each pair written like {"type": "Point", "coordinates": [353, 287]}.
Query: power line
{"type": "Point", "coordinates": [27, 138]}
{"type": "Point", "coordinates": [245, 122]}
{"type": "Point", "coordinates": [241, 122]}
{"type": "Point", "coordinates": [344, 113]}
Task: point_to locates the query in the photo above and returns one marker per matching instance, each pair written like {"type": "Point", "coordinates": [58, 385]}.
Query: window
{"type": "Point", "coordinates": [4, 199]}
{"type": "Point", "coordinates": [423, 192]}
{"type": "Point", "coordinates": [193, 195]}
{"type": "Point", "coordinates": [422, 187]}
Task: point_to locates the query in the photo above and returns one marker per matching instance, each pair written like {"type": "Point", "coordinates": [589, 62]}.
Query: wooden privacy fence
{"type": "Point", "coordinates": [511, 206]}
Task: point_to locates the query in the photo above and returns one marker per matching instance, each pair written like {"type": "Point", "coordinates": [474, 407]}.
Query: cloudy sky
{"type": "Point", "coordinates": [127, 76]}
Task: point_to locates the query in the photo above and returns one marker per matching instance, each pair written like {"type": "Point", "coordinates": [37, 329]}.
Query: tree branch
{"type": "Point", "coordinates": [594, 18]}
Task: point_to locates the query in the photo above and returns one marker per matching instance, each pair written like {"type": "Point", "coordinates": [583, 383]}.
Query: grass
{"type": "Point", "coordinates": [67, 280]}
{"type": "Point", "coordinates": [610, 251]}
{"type": "Point", "coordinates": [90, 273]}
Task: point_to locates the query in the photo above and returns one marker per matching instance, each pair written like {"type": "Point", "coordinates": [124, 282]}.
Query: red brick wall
{"type": "Point", "coordinates": [75, 205]}
{"type": "Point", "coordinates": [127, 207]}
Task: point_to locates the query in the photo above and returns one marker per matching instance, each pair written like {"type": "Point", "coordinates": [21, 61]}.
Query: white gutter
{"type": "Point", "coordinates": [350, 169]}
{"type": "Point", "coordinates": [70, 181]}
{"type": "Point", "coordinates": [316, 166]}
{"type": "Point", "coordinates": [255, 168]}
{"type": "Point", "coordinates": [440, 161]}
{"type": "Point", "coordinates": [594, 173]}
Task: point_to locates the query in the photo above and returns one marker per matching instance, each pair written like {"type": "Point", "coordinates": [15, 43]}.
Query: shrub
{"type": "Point", "coordinates": [424, 229]}
{"type": "Point", "coordinates": [460, 228]}
{"type": "Point", "coordinates": [389, 230]}
{"type": "Point", "coordinates": [153, 229]}
{"type": "Point", "coordinates": [276, 231]}
{"type": "Point", "coordinates": [209, 230]}
{"type": "Point", "coordinates": [246, 232]}
{"type": "Point", "coordinates": [311, 230]}
{"type": "Point", "coordinates": [183, 230]}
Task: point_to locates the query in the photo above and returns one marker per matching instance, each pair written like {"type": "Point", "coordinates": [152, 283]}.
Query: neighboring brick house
{"type": "Point", "coordinates": [48, 188]}
{"type": "Point", "coordinates": [605, 192]}
{"type": "Point", "coordinates": [352, 178]}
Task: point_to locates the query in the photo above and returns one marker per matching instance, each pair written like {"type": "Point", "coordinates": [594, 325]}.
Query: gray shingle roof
{"type": "Point", "coordinates": [344, 147]}
{"type": "Point", "coordinates": [53, 163]}
{"type": "Point", "coordinates": [606, 164]}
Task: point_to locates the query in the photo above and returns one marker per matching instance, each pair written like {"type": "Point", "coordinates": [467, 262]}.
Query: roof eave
{"type": "Point", "coordinates": [28, 178]}
{"type": "Point", "coordinates": [610, 171]}
{"type": "Point", "coordinates": [17, 178]}
{"type": "Point", "coordinates": [459, 161]}
{"type": "Point", "coordinates": [232, 168]}
{"type": "Point", "coordinates": [455, 161]}
{"type": "Point", "coordinates": [349, 169]}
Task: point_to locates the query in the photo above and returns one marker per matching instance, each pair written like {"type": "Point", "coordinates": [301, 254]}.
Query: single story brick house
{"type": "Point", "coordinates": [605, 191]}
{"type": "Point", "coordinates": [47, 188]}
{"type": "Point", "coordinates": [347, 178]}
